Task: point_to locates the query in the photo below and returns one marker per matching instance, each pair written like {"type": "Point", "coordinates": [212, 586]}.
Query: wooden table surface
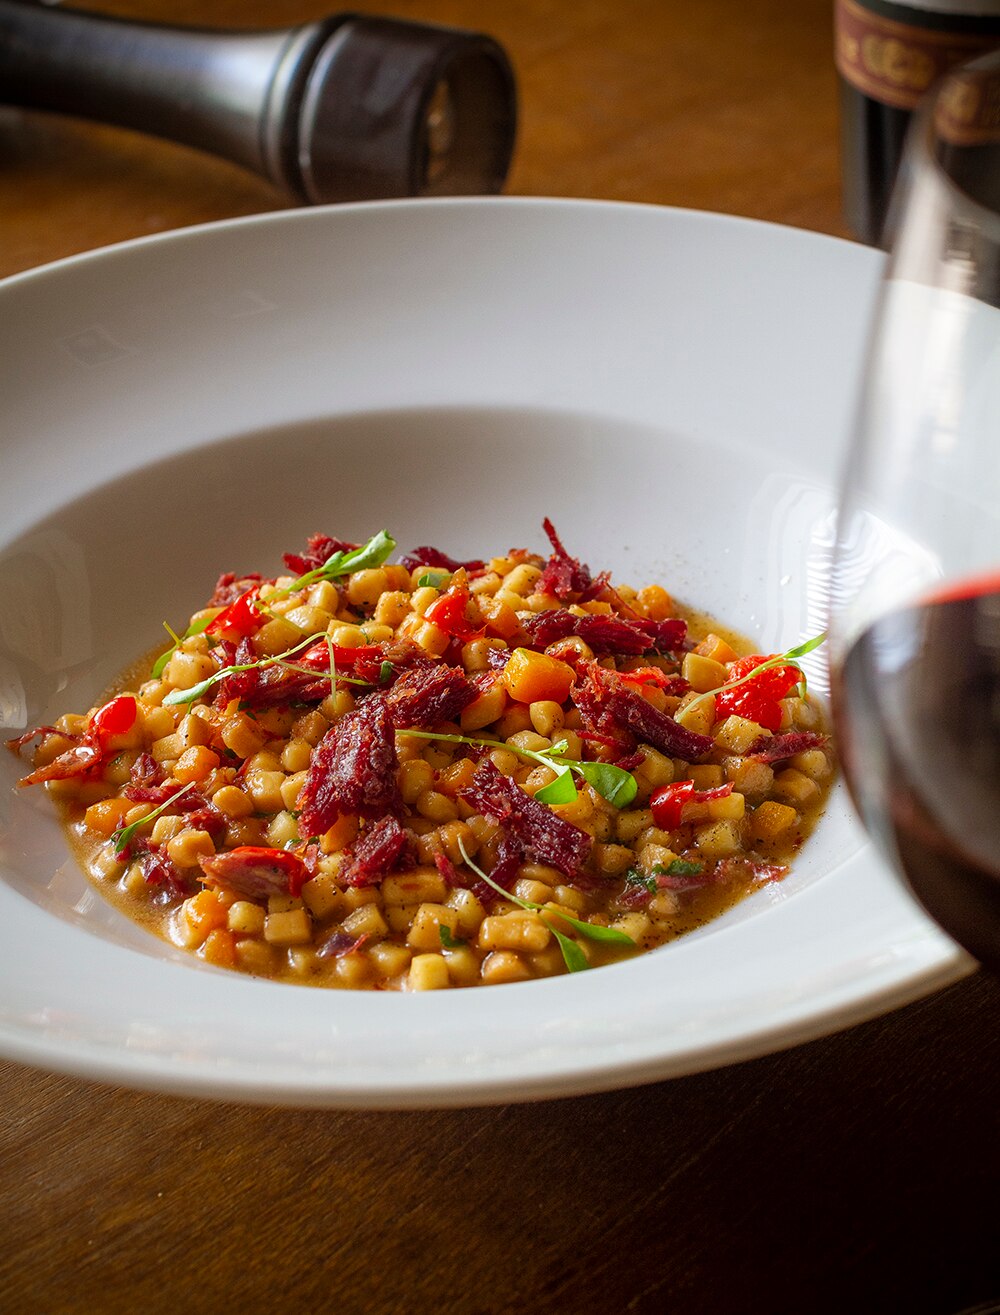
{"type": "Point", "coordinates": [853, 1174]}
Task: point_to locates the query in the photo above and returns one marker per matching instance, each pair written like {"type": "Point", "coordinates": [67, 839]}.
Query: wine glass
{"type": "Point", "coordinates": [915, 633]}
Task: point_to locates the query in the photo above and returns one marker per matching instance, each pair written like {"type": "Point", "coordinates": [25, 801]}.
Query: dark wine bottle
{"type": "Point", "coordinates": [887, 56]}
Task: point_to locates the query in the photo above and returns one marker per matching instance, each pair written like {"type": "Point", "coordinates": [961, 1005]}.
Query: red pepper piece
{"type": "Point", "coordinates": [757, 699]}
{"type": "Point", "coordinates": [240, 619]}
{"type": "Point", "coordinates": [256, 872]}
{"type": "Point", "coordinates": [448, 613]}
{"type": "Point", "coordinates": [667, 803]}
{"type": "Point", "coordinates": [115, 718]}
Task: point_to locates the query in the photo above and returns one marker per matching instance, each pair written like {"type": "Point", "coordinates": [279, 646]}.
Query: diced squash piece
{"type": "Point", "coordinates": [531, 677]}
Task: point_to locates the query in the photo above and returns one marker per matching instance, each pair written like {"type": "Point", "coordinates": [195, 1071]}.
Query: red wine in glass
{"type": "Point", "coordinates": [919, 717]}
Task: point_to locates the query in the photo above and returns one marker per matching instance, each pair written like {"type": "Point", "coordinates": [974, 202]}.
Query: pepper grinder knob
{"type": "Point", "coordinates": [352, 107]}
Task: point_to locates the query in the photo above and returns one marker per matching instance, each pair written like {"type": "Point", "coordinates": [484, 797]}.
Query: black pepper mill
{"type": "Point", "coordinates": [351, 107]}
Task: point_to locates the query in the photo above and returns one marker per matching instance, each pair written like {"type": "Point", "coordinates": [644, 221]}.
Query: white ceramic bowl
{"type": "Point", "coordinates": [673, 389]}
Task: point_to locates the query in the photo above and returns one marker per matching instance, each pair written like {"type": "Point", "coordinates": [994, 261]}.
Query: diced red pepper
{"type": "Point", "coordinates": [448, 613]}
{"type": "Point", "coordinates": [757, 699]}
{"type": "Point", "coordinates": [116, 718]}
{"type": "Point", "coordinates": [667, 803]}
{"type": "Point", "coordinates": [240, 619]}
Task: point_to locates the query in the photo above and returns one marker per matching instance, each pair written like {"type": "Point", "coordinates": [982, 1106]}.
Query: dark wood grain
{"type": "Point", "coordinates": [851, 1174]}
{"type": "Point", "coordinates": [854, 1174]}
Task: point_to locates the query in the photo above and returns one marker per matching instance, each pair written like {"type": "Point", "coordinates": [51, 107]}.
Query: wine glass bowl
{"type": "Point", "coordinates": [916, 581]}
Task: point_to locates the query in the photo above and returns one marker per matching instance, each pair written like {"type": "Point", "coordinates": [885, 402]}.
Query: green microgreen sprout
{"type": "Point", "coordinates": [195, 628]}
{"type": "Point", "coordinates": [790, 658]}
{"type": "Point", "coordinates": [373, 553]}
{"type": "Point", "coordinates": [433, 578]}
{"type": "Point", "coordinates": [612, 783]}
{"type": "Point", "coordinates": [121, 838]}
{"type": "Point", "coordinates": [573, 957]}
{"type": "Point", "coordinates": [449, 942]}
{"type": "Point", "coordinates": [203, 686]}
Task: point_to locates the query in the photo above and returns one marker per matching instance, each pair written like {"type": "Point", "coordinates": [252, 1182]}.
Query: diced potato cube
{"type": "Point", "coordinates": [736, 734]}
{"type": "Point", "coordinates": [717, 839]}
{"type": "Point", "coordinates": [428, 972]}
{"type": "Point", "coordinates": [367, 921]}
{"type": "Point", "coordinates": [246, 918]}
{"type": "Point", "coordinates": [796, 787]}
{"type": "Point", "coordinates": [291, 928]}
{"type": "Point", "coordinates": [703, 673]}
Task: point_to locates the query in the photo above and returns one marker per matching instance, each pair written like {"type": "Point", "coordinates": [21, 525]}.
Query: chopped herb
{"type": "Point", "coordinates": [448, 941]}
{"type": "Point", "coordinates": [680, 867]}
{"type": "Point", "coordinates": [633, 877]}
{"type": "Point", "coordinates": [385, 673]}
{"type": "Point", "coordinates": [573, 956]}
{"type": "Point", "coordinates": [435, 579]}
{"type": "Point", "coordinates": [122, 837]}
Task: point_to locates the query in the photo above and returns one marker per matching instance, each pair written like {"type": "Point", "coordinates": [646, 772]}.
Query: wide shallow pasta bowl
{"type": "Point", "coordinates": [672, 389]}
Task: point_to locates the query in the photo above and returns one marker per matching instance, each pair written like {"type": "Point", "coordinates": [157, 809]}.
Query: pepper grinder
{"type": "Point", "coordinates": [351, 107]}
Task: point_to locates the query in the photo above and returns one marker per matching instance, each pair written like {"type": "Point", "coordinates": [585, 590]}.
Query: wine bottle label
{"type": "Point", "coordinates": [967, 110]}
{"type": "Point", "coordinates": [895, 62]}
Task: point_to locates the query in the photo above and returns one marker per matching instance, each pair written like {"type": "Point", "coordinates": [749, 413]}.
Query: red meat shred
{"type": "Point", "coordinates": [380, 850]}
{"type": "Point", "coordinates": [339, 943]}
{"type": "Point", "coordinates": [436, 559]}
{"type": "Point", "coordinates": [606, 634]}
{"type": "Point", "coordinates": [608, 704]}
{"type": "Point", "coordinates": [353, 769]}
{"type": "Point", "coordinates": [540, 833]}
{"type": "Point", "coordinates": [255, 871]}
{"type": "Point", "coordinates": [428, 696]}
{"type": "Point", "coordinates": [563, 575]}
{"type": "Point", "coordinates": [229, 587]}
{"type": "Point", "coordinates": [447, 869]}
{"type": "Point", "coordinates": [775, 748]}
{"type": "Point", "coordinates": [319, 550]}
{"type": "Point", "coordinates": [159, 870]}
{"type": "Point", "coordinates": [78, 761]}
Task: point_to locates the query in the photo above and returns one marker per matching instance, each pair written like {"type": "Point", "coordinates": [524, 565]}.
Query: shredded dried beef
{"type": "Point", "coordinates": [606, 634]}
{"type": "Point", "coordinates": [229, 587]}
{"type": "Point", "coordinates": [381, 849]}
{"type": "Point", "coordinates": [427, 696]}
{"type": "Point", "coordinates": [610, 706]}
{"type": "Point", "coordinates": [541, 834]}
{"type": "Point", "coordinates": [353, 769]}
{"type": "Point", "coordinates": [563, 575]}
{"type": "Point", "coordinates": [318, 552]}
{"type": "Point", "coordinates": [437, 560]}
{"type": "Point", "coordinates": [256, 871]}
{"type": "Point", "coordinates": [776, 748]}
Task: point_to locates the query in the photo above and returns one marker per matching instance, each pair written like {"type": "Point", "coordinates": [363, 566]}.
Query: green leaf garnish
{"type": "Point", "coordinates": [573, 957]}
{"type": "Point", "coordinates": [560, 791]}
{"type": "Point", "coordinates": [680, 867]}
{"type": "Point", "coordinates": [448, 941]}
{"type": "Point", "coordinates": [633, 877]}
{"type": "Point", "coordinates": [433, 578]}
{"type": "Point", "coordinates": [370, 554]}
{"type": "Point", "coordinates": [122, 837]}
{"type": "Point", "coordinates": [613, 783]}
{"type": "Point", "coordinates": [790, 658]}
{"type": "Point", "coordinates": [196, 691]}
{"type": "Point", "coordinates": [385, 673]}
{"type": "Point", "coordinates": [195, 628]}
